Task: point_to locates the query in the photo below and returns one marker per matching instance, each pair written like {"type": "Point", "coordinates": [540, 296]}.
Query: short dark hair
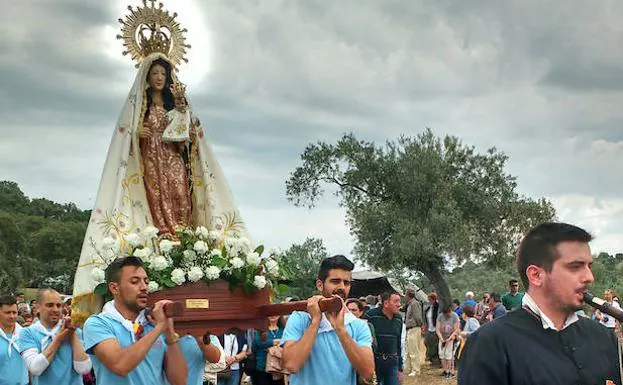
{"type": "Point", "coordinates": [512, 281]}
{"type": "Point", "coordinates": [113, 271]}
{"type": "Point", "coordinates": [469, 310]}
{"type": "Point", "coordinates": [446, 309]}
{"type": "Point", "coordinates": [386, 295]}
{"type": "Point", "coordinates": [334, 262]}
{"type": "Point", "coordinates": [495, 297]}
{"type": "Point", "coordinates": [7, 300]}
{"type": "Point", "coordinates": [17, 294]}
{"type": "Point", "coordinates": [357, 302]}
{"type": "Point", "coordinates": [456, 302]}
{"type": "Point", "coordinates": [538, 247]}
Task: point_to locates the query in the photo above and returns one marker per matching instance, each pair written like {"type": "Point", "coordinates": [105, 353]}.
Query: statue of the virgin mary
{"type": "Point", "coordinates": [160, 172]}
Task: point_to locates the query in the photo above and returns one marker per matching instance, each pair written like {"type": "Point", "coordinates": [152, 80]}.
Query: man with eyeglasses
{"type": "Point", "coordinates": [512, 299]}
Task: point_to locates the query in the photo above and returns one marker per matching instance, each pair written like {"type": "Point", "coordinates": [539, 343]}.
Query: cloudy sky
{"type": "Point", "coordinates": [541, 81]}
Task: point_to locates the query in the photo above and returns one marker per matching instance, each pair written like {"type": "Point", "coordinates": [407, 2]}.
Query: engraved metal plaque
{"type": "Point", "coordinates": [197, 303]}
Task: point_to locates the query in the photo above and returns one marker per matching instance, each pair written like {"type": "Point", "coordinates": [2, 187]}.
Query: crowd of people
{"type": "Point", "coordinates": [370, 340]}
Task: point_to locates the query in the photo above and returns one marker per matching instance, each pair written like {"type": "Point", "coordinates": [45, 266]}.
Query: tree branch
{"type": "Point", "coordinates": [356, 187]}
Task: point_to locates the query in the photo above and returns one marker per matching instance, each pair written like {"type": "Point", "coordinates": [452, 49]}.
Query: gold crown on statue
{"type": "Point", "coordinates": [178, 90]}
{"type": "Point", "coordinates": [150, 29]}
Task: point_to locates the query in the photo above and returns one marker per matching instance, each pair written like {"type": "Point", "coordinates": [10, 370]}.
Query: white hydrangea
{"type": "Point", "coordinates": [202, 232]}
{"type": "Point", "coordinates": [253, 259]}
{"type": "Point", "coordinates": [159, 263]}
{"type": "Point", "coordinates": [189, 256]}
{"type": "Point", "coordinates": [165, 246]}
{"type": "Point", "coordinates": [214, 235]}
{"type": "Point", "coordinates": [236, 262]}
{"type": "Point", "coordinates": [153, 286]}
{"type": "Point", "coordinates": [195, 273]}
{"type": "Point", "coordinates": [232, 245]}
{"type": "Point", "coordinates": [259, 281]}
{"type": "Point", "coordinates": [143, 253]}
{"type": "Point", "coordinates": [215, 253]}
{"type": "Point", "coordinates": [178, 276]}
{"type": "Point", "coordinates": [98, 275]}
{"type": "Point", "coordinates": [244, 244]}
{"type": "Point", "coordinates": [200, 247]}
{"type": "Point", "coordinates": [133, 239]}
{"type": "Point", "coordinates": [150, 232]}
{"type": "Point", "coordinates": [212, 272]}
{"type": "Point", "coordinates": [271, 266]}
{"type": "Point", "coordinates": [189, 231]}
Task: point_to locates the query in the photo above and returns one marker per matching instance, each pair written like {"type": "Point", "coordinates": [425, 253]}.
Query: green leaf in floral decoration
{"type": "Point", "coordinates": [176, 255]}
{"type": "Point", "coordinates": [219, 262]}
{"type": "Point", "coordinates": [168, 283]}
{"type": "Point", "coordinates": [248, 287]}
{"type": "Point", "coordinates": [259, 249]}
{"type": "Point", "coordinates": [101, 289]}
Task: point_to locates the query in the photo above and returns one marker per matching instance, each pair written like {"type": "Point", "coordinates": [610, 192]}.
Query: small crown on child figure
{"type": "Point", "coordinates": [178, 90]}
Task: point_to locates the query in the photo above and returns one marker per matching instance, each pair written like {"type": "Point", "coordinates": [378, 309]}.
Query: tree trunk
{"type": "Point", "coordinates": [441, 286]}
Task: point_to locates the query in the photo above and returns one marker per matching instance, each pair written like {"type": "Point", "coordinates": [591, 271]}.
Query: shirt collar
{"type": "Point", "coordinates": [528, 302]}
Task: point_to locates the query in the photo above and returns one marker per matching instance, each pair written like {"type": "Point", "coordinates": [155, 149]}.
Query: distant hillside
{"type": "Point", "coordinates": [40, 240]}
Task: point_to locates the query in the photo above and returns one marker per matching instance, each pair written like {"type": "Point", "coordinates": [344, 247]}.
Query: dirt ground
{"type": "Point", "coordinates": [429, 376]}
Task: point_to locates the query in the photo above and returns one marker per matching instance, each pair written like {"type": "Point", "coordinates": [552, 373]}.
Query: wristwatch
{"type": "Point", "coordinates": [174, 338]}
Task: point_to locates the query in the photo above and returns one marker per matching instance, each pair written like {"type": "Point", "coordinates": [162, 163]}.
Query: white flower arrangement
{"type": "Point", "coordinates": [198, 254]}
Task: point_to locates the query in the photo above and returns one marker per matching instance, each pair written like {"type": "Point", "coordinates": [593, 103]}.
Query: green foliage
{"type": "Point", "coordinates": [40, 240]}
{"type": "Point", "coordinates": [420, 203]}
{"type": "Point", "coordinates": [608, 273]}
{"type": "Point", "coordinates": [302, 262]}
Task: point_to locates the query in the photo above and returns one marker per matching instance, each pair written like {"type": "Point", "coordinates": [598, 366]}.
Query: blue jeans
{"type": "Point", "coordinates": [386, 370]}
{"type": "Point", "coordinates": [233, 380]}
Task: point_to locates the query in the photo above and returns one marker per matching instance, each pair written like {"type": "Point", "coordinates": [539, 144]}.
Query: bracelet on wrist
{"type": "Point", "coordinates": [173, 339]}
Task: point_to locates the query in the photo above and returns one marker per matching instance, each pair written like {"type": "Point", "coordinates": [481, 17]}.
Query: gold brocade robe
{"type": "Point", "coordinates": [164, 175]}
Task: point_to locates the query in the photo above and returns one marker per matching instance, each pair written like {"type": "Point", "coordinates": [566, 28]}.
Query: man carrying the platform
{"type": "Point", "coordinates": [12, 368]}
{"type": "Point", "coordinates": [52, 347]}
{"type": "Point", "coordinates": [322, 348]}
{"type": "Point", "coordinates": [126, 348]}
{"type": "Point", "coordinates": [196, 352]}
{"type": "Point", "coordinates": [544, 341]}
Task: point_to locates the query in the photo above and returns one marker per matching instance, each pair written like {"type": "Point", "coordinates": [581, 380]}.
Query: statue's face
{"type": "Point", "coordinates": [157, 77]}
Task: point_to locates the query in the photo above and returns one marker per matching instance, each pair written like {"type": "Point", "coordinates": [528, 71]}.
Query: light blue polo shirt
{"type": "Point", "coordinates": [61, 369]}
{"type": "Point", "coordinates": [195, 361]}
{"type": "Point", "coordinates": [327, 362]}
{"type": "Point", "coordinates": [12, 369]}
{"type": "Point", "coordinates": [102, 327]}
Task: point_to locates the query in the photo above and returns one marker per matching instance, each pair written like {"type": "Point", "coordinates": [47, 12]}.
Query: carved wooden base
{"type": "Point", "coordinates": [215, 308]}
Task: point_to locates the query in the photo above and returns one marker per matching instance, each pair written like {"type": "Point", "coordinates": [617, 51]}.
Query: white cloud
{"type": "Point", "coordinates": [599, 217]}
